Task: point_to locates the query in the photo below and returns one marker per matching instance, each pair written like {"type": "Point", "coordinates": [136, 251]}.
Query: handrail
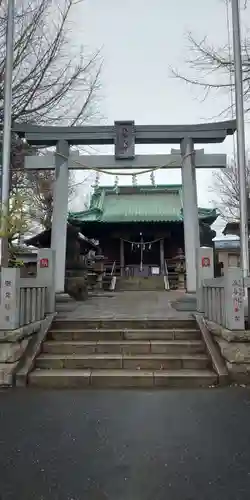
{"type": "Point", "coordinates": [214, 282]}
{"type": "Point", "coordinates": [166, 267]}
{"type": "Point", "coordinates": [113, 268]}
{"type": "Point", "coordinates": [166, 277]}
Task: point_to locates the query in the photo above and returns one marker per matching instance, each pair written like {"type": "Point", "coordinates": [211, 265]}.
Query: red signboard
{"type": "Point", "coordinates": [205, 262]}
{"type": "Point", "coordinates": [44, 262]}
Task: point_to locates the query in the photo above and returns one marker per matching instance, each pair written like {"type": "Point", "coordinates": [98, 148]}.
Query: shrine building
{"type": "Point", "coordinates": [140, 228]}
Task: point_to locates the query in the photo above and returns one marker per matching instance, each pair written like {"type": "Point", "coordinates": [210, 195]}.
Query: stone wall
{"type": "Point", "coordinates": [15, 346]}
{"type": "Point", "coordinates": [235, 349]}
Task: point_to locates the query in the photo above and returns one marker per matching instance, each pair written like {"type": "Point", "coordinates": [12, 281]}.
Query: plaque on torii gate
{"type": "Point", "coordinates": [124, 140]}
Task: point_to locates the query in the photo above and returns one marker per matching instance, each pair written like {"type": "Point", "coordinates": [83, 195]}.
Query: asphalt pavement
{"type": "Point", "coordinates": [125, 445]}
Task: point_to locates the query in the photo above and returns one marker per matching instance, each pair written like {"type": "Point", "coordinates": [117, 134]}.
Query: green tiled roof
{"type": "Point", "coordinates": [136, 204]}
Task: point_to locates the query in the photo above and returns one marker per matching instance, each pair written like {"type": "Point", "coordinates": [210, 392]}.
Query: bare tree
{"type": "Point", "coordinates": [211, 68]}
{"type": "Point", "coordinates": [40, 186]}
{"type": "Point", "coordinates": [226, 188]}
{"type": "Point", "coordinates": [54, 82]}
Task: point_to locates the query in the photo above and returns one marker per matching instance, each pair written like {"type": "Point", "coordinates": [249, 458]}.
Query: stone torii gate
{"type": "Point", "coordinates": [124, 136]}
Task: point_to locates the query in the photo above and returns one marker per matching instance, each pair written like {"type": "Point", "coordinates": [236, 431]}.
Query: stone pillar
{"type": "Point", "coordinates": [190, 212]}
{"type": "Point", "coordinates": [122, 256]}
{"type": "Point", "coordinates": [60, 214]}
{"type": "Point", "coordinates": [234, 299]}
{"type": "Point", "coordinates": [162, 257]}
{"type": "Point", "coordinates": [10, 299]}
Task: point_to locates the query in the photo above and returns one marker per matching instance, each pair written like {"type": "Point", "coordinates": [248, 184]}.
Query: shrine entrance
{"type": "Point", "coordinates": [142, 256]}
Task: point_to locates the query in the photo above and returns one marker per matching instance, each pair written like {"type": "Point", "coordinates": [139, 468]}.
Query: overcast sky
{"type": "Point", "coordinates": [141, 40]}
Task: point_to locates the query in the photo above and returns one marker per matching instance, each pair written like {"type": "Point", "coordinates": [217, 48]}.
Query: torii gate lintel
{"type": "Point", "coordinates": [202, 133]}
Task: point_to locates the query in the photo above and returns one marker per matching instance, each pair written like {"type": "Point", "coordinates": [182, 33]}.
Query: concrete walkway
{"type": "Point", "coordinates": [125, 305]}
{"type": "Point", "coordinates": [139, 445]}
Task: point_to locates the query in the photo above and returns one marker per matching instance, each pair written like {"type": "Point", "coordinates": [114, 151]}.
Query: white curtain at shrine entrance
{"type": "Point", "coordinates": [142, 255]}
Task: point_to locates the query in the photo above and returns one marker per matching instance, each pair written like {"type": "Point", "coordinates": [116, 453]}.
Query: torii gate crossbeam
{"type": "Point", "coordinates": [203, 133]}
{"type": "Point", "coordinates": [108, 162]}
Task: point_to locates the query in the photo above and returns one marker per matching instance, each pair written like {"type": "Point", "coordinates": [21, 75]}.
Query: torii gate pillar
{"type": "Point", "coordinates": [60, 213]}
{"type": "Point", "coordinates": [190, 211]}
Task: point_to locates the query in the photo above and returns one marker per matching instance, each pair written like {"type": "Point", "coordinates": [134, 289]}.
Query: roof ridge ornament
{"type": "Point", "coordinates": [134, 180]}
{"type": "Point", "coordinates": [116, 184]}
{"type": "Point", "coordinates": [152, 178]}
{"type": "Point", "coordinates": [97, 182]}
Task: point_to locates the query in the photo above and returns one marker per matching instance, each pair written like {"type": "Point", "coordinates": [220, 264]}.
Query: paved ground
{"type": "Point", "coordinates": [172, 445]}
{"type": "Point", "coordinates": [125, 305]}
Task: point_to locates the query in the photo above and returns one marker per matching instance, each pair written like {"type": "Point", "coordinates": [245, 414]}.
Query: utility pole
{"type": "Point", "coordinates": [7, 129]}
{"type": "Point", "coordinates": [241, 150]}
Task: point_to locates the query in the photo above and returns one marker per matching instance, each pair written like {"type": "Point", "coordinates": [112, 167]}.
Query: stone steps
{"type": "Point", "coordinates": [119, 361]}
{"type": "Point", "coordinates": [134, 353]}
{"type": "Point", "coordinates": [122, 378]}
{"type": "Point", "coordinates": [124, 347]}
{"type": "Point", "coordinates": [124, 324]}
{"type": "Point", "coordinates": [151, 283]}
{"type": "Point", "coordinates": [118, 335]}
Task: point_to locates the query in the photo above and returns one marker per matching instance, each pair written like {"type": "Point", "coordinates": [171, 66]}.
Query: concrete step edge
{"type": "Point", "coordinates": [123, 324]}
{"type": "Point", "coordinates": [124, 342]}
{"type": "Point", "coordinates": [122, 379]}
{"type": "Point", "coordinates": [149, 356]}
{"type": "Point", "coordinates": [123, 373]}
{"type": "Point", "coordinates": [125, 330]}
